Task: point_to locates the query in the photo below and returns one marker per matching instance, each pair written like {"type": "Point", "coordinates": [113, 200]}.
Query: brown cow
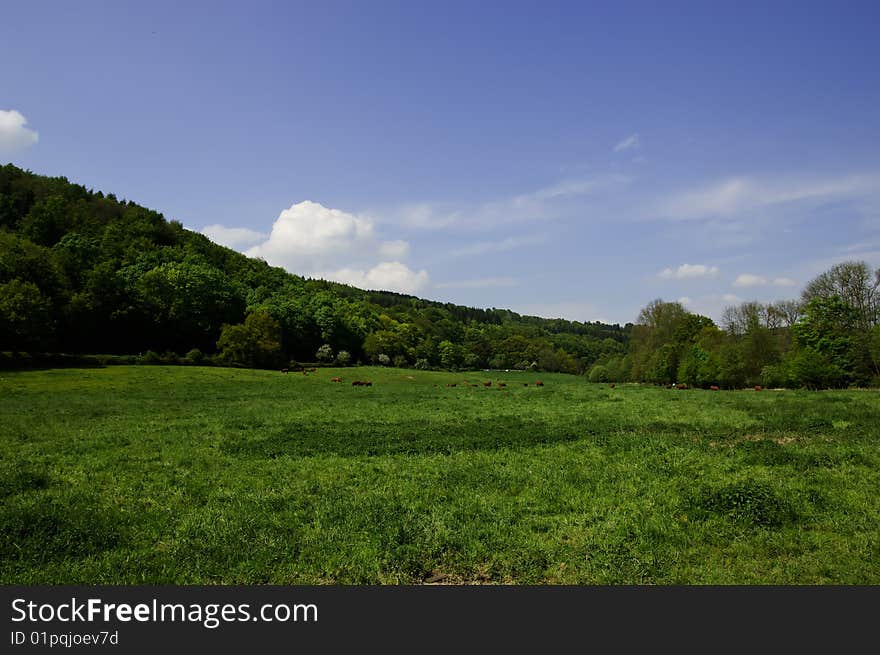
{"type": "Point", "coordinates": [682, 386]}
{"type": "Point", "coordinates": [502, 384]}
{"type": "Point", "coordinates": [758, 387]}
{"type": "Point", "coordinates": [487, 384]}
{"type": "Point", "coordinates": [525, 384]}
{"type": "Point", "coordinates": [335, 379]}
{"type": "Point", "coordinates": [714, 388]}
{"type": "Point", "coordinates": [452, 384]}
{"type": "Point", "coordinates": [312, 370]}
{"type": "Point", "coordinates": [611, 385]}
{"type": "Point", "coordinates": [539, 384]}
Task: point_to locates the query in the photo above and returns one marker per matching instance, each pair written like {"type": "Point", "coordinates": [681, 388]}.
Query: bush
{"type": "Point", "coordinates": [383, 359]}
{"type": "Point", "coordinates": [150, 357]}
{"type": "Point", "coordinates": [343, 358]}
{"type": "Point", "coordinates": [422, 364]}
{"type": "Point", "coordinates": [400, 361]}
{"type": "Point", "coordinates": [599, 374]}
{"type": "Point", "coordinates": [325, 353]}
{"type": "Point", "coordinates": [195, 356]}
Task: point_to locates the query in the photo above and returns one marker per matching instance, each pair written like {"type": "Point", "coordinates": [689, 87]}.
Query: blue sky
{"type": "Point", "coordinates": [561, 159]}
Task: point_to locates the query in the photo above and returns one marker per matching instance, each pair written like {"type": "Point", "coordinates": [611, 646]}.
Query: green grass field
{"type": "Point", "coordinates": [139, 474]}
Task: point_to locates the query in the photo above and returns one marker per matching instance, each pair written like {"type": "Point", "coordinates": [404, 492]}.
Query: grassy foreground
{"type": "Point", "coordinates": [200, 475]}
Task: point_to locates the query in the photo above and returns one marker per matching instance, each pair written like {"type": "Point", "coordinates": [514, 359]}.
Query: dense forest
{"type": "Point", "coordinates": [84, 272]}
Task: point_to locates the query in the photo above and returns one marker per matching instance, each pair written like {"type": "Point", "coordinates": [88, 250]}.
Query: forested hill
{"type": "Point", "coordinates": [85, 272]}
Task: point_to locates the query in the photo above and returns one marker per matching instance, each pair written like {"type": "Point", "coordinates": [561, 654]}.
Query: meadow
{"type": "Point", "coordinates": [190, 475]}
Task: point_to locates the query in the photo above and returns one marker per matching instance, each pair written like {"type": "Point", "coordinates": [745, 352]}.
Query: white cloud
{"type": "Point", "coordinates": [629, 143]}
{"type": "Point", "coordinates": [510, 243]}
{"type": "Point", "coordinates": [731, 297]}
{"type": "Point", "coordinates": [308, 231]}
{"type": "Point", "coordinates": [542, 204]}
{"type": "Point", "coordinates": [14, 135]}
{"type": "Point", "coordinates": [738, 195]}
{"type": "Point", "coordinates": [685, 300]}
{"type": "Point", "coordinates": [393, 249]}
{"type": "Point", "coordinates": [784, 282]}
{"type": "Point", "coordinates": [482, 283]}
{"type": "Point", "coordinates": [746, 280]}
{"type": "Point", "coordinates": [312, 240]}
{"type": "Point", "coordinates": [688, 271]}
{"type": "Point", "coordinates": [232, 237]}
{"type": "Point", "coordinates": [387, 276]}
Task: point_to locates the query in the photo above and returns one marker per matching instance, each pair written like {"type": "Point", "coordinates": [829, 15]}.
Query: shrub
{"type": "Point", "coordinates": [343, 358]}
{"type": "Point", "coordinates": [400, 361]}
{"type": "Point", "coordinates": [195, 356]}
{"type": "Point", "coordinates": [150, 357]}
{"type": "Point", "coordinates": [325, 353]}
{"type": "Point", "coordinates": [599, 374]}
{"type": "Point", "coordinates": [422, 364]}
{"type": "Point", "coordinates": [383, 359]}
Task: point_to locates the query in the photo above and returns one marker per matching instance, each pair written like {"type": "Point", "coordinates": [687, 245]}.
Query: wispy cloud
{"type": "Point", "coordinates": [631, 142]}
{"type": "Point", "coordinates": [510, 243]}
{"type": "Point", "coordinates": [688, 271]}
{"type": "Point", "coordinates": [747, 280]}
{"type": "Point", "coordinates": [481, 283]}
{"type": "Point", "coordinates": [545, 203]}
{"type": "Point", "coordinates": [738, 195]}
{"type": "Point", "coordinates": [573, 311]}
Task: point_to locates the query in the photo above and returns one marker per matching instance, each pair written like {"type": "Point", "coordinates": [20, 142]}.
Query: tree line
{"type": "Point", "coordinates": [85, 272]}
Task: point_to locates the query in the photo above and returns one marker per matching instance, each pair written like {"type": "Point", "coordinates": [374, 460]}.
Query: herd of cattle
{"type": "Point", "coordinates": [498, 383]}
{"type": "Point", "coordinates": [369, 383]}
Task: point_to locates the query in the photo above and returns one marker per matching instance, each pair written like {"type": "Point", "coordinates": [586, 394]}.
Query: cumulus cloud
{"type": "Point", "coordinates": [387, 276]}
{"type": "Point", "coordinates": [685, 300]}
{"type": "Point", "coordinates": [309, 231]}
{"type": "Point", "coordinates": [746, 280]}
{"type": "Point", "coordinates": [631, 142]}
{"type": "Point", "coordinates": [312, 240]}
{"type": "Point", "coordinates": [232, 237]}
{"type": "Point", "coordinates": [14, 133]}
{"type": "Point", "coordinates": [784, 282]}
{"type": "Point", "coordinates": [688, 271]}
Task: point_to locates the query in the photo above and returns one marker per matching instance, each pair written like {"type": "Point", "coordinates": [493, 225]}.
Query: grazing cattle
{"type": "Point", "coordinates": [368, 384]}
{"type": "Point", "coordinates": [668, 386]}
{"type": "Point", "coordinates": [758, 387]}
{"type": "Point", "coordinates": [714, 388]}
{"type": "Point", "coordinates": [335, 379]}
{"type": "Point", "coordinates": [487, 384]}
{"type": "Point", "coordinates": [284, 370]}
{"type": "Point", "coordinates": [611, 385]}
{"type": "Point", "coordinates": [539, 383]}
{"type": "Point", "coordinates": [525, 384]}
{"type": "Point", "coordinates": [682, 386]}
{"type": "Point", "coordinates": [502, 384]}
{"type": "Point", "coordinates": [451, 384]}
{"type": "Point", "coordinates": [357, 383]}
